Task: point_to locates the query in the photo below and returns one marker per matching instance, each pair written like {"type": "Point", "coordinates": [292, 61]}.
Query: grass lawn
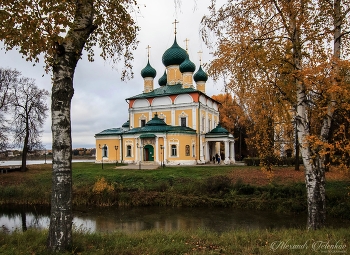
{"type": "Point", "coordinates": [285, 241]}
{"type": "Point", "coordinates": [229, 186]}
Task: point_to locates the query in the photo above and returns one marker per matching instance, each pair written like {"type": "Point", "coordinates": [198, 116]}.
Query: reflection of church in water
{"type": "Point", "coordinates": [175, 123]}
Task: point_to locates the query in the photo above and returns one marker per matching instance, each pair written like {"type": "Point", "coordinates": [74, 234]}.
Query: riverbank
{"type": "Point", "coordinates": [210, 186]}
{"type": "Point", "coordinates": [291, 241]}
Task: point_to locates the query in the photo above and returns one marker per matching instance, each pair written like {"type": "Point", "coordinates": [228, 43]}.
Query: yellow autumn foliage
{"type": "Point", "coordinates": [101, 185]}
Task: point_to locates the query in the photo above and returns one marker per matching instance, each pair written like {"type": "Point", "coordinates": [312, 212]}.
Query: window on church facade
{"type": "Point", "coordinates": [143, 123]}
{"type": "Point", "coordinates": [128, 151]}
{"type": "Point", "coordinates": [203, 124]}
{"type": "Point", "coordinates": [183, 121]}
{"type": "Point", "coordinates": [187, 150]}
{"type": "Point", "coordinates": [173, 150]}
{"type": "Point", "coordinates": [193, 152]}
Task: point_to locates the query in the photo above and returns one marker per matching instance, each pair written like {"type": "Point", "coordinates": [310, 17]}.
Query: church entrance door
{"type": "Point", "coordinates": [149, 153]}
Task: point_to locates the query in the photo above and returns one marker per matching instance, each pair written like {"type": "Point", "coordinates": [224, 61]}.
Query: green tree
{"type": "Point", "coordinates": [284, 49]}
{"type": "Point", "coordinates": [60, 31]}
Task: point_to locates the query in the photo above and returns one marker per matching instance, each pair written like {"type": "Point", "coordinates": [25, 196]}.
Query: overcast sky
{"type": "Point", "coordinates": [99, 97]}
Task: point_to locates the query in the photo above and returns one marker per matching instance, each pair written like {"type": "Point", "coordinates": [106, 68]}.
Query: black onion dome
{"type": "Point", "coordinates": [175, 55]}
{"type": "Point", "coordinates": [163, 80]}
{"type": "Point", "coordinates": [187, 66]}
{"type": "Point", "coordinates": [200, 75]}
{"type": "Point", "coordinates": [148, 71]}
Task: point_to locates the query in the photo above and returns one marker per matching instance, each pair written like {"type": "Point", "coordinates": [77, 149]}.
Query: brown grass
{"type": "Point", "coordinates": [17, 177]}
{"type": "Point", "coordinates": [280, 175]}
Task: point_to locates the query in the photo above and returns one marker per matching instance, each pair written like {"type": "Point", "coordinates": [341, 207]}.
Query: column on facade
{"type": "Point", "coordinates": [194, 119]}
{"type": "Point", "coordinates": [217, 147]}
{"type": "Point", "coordinates": [232, 151]}
{"type": "Point", "coordinates": [156, 151]}
{"type": "Point", "coordinates": [207, 155]}
{"type": "Point", "coordinates": [120, 149]}
{"type": "Point", "coordinates": [201, 150]}
{"type": "Point", "coordinates": [227, 152]}
{"type": "Point", "coordinates": [173, 117]}
{"type": "Point", "coordinates": [136, 152]}
{"type": "Point", "coordinates": [165, 148]}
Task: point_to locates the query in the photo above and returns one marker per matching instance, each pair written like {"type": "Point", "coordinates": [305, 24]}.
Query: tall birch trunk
{"type": "Point", "coordinates": [314, 172]}
{"type": "Point", "coordinates": [65, 61]}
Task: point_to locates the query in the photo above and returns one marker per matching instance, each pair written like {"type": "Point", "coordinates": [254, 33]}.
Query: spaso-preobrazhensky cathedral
{"type": "Point", "coordinates": [175, 123]}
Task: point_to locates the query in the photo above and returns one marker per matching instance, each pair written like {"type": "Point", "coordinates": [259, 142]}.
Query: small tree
{"type": "Point", "coordinates": [29, 110]}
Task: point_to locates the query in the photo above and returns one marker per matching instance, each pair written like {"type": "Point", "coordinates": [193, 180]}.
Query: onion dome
{"type": "Point", "coordinates": [175, 55]}
{"type": "Point", "coordinates": [126, 124]}
{"type": "Point", "coordinates": [200, 75]}
{"type": "Point", "coordinates": [148, 71]}
{"type": "Point", "coordinates": [163, 80]}
{"type": "Point", "coordinates": [187, 66]}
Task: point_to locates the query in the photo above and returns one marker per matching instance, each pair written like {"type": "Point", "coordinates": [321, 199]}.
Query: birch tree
{"type": "Point", "coordinates": [285, 47]}
{"type": "Point", "coordinates": [60, 31]}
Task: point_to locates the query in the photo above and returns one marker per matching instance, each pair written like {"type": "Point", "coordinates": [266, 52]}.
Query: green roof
{"type": "Point", "coordinates": [155, 125]}
{"type": "Point", "coordinates": [147, 136]}
{"type": "Point", "coordinates": [165, 90]}
{"type": "Point", "coordinates": [219, 130]}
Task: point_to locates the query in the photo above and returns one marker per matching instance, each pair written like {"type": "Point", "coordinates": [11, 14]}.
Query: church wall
{"type": "Point", "coordinates": [185, 144]}
{"type": "Point", "coordinates": [111, 153]}
{"type": "Point", "coordinates": [165, 115]}
{"type": "Point", "coordinates": [184, 113]}
{"type": "Point", "coordinates": [137, 117]}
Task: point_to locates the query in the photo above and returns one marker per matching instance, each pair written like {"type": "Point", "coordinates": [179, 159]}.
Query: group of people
{"type": "Point", "coordinates": [216, 158]}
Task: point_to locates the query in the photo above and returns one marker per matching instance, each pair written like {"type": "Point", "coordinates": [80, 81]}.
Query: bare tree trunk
{"type": "Point", "coordinates": [25, 149]}
{"type": "Point", "coordinates": [68, 54]}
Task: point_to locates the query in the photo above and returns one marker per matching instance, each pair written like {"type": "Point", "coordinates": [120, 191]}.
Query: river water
{"type": "Point", "coordinates": [159, 218]}
{"type": "Point", "coordinates": [37, 162]}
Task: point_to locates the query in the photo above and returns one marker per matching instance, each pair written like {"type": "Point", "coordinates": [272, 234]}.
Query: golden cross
{"type": "Point", "coordinates": [175, 22]}
{"type": "Point", "coordinates": [186, 41]}
{"type": "Point", "coordinates": [148, 48]}
{"type": "Point", "coordinates": [200, 56]}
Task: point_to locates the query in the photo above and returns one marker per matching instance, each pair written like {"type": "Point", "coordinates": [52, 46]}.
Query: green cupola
{"type": "Point", "coordinates": [163, 80]}
{"type": "Point", "coordinates": [187, 66]}
{"type": "Point", "coordinates": [148, 71]}
{"type": "Point", "coordinates": [175, 55]}
{"type": "Point", "coordinates": [200, 75]}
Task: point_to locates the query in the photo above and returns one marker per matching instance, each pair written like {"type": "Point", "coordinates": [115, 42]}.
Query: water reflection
{"type": "Point", "coordinates": [160, 218]}
{"type": "Point", "coordinates": [37, 162]}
